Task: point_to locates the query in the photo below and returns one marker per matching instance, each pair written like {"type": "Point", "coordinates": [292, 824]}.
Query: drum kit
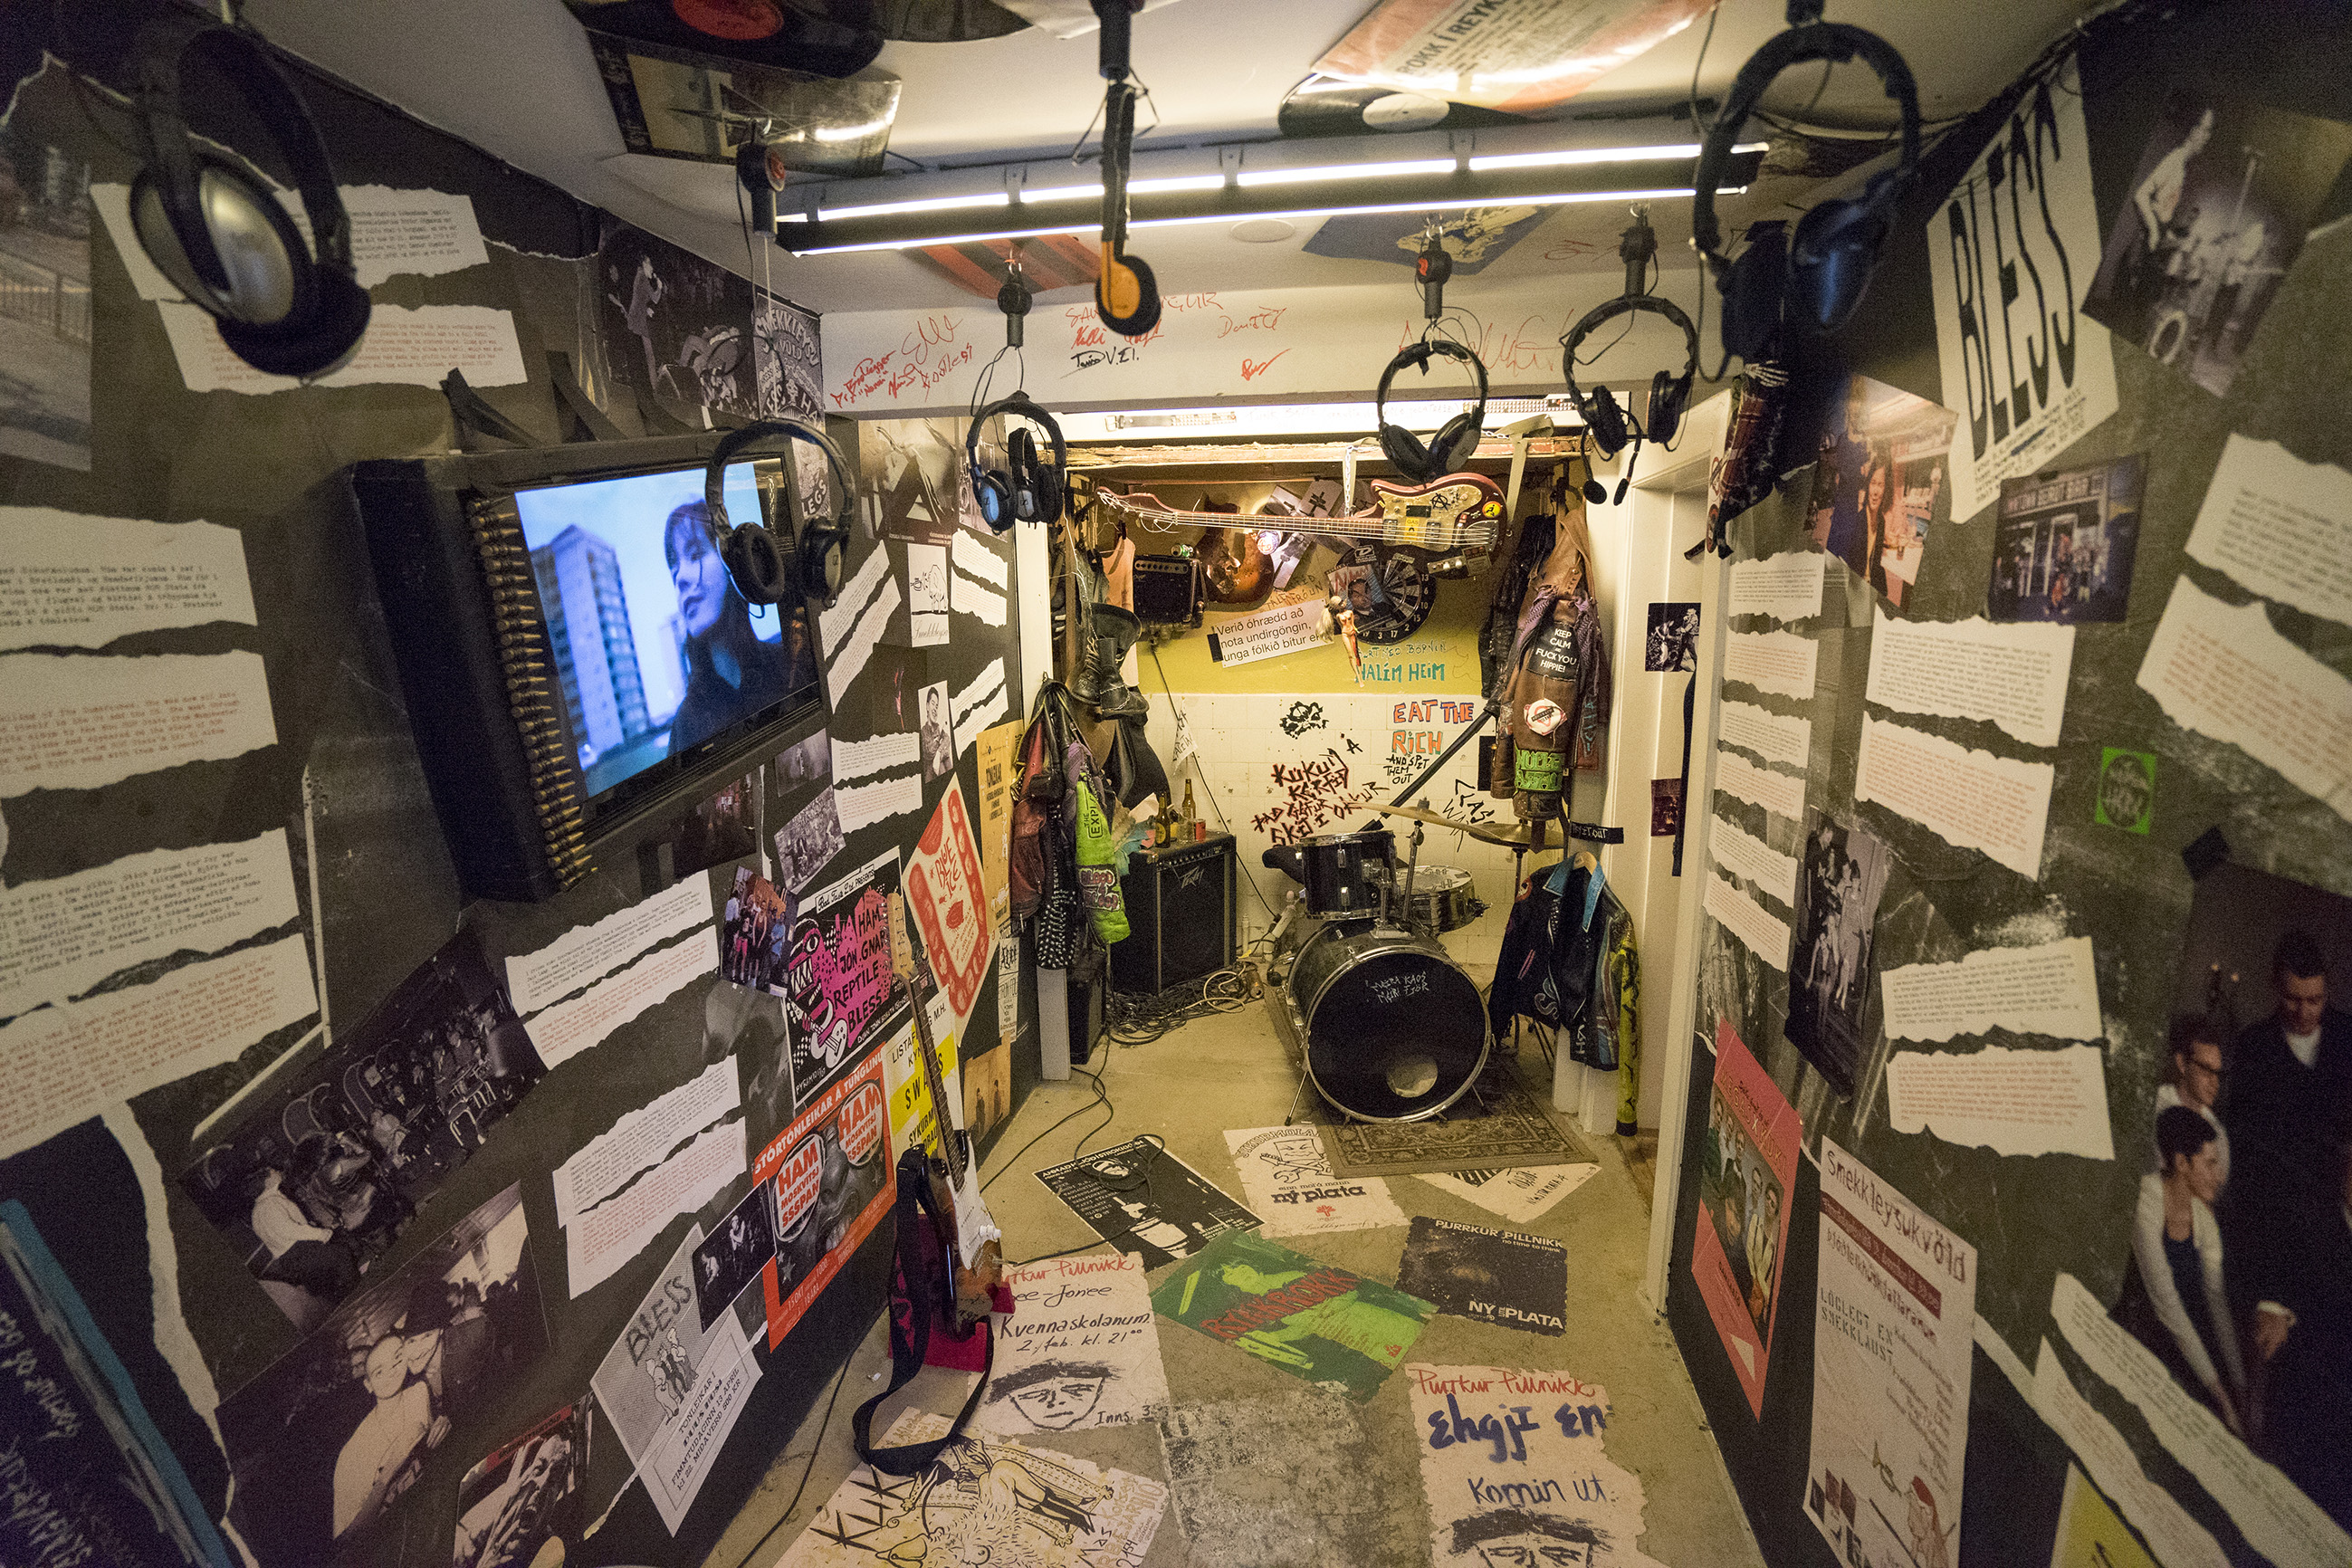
{"type": "Point", "coordinates": [1387, 1025]}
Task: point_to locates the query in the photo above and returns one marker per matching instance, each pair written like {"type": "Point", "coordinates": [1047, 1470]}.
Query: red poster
{"type": "Point", "coordinates": [1748, 1176]}
{"type": "Point", "coordinates": [831, 1176]}
{"type": "Point", "coordinates": [944, 891]}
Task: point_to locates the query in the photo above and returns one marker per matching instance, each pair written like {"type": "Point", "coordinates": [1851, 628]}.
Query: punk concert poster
{"type": "Point", "coordinates": [318, 1179]}
{"type": "Point", "coordinates": [1748, 1178]}
{"type": "Point", "coordinates": [841, 998]}
{"type": "Point", "coordinates": [947, 898]}
{"type": "Point", "coordinates": [86, 1476]}
{"type": "Point", "coordinates": [832, 1183]}
{"type": "Point", "coordinates": [672, 1390]}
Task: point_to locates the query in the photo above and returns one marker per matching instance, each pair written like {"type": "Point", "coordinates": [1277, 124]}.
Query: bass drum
{"type": "Point", "coordinates": [1394, 1028]}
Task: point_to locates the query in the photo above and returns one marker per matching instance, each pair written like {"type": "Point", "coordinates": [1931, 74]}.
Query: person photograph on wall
{"type": "Point", "coordinates": [525, 1495]}
{"type": "Point", "coordinates": [1844, 876]}
{"type": "Point", "coordinates": [1881, 473]}
{"type": "Point", "coordinates": [2225, 192]}
{"type": "Point", "coordinates": [2064, 544]}
{"type": "Point", "coordinates": [2174, 1299]}
{"type": "Point", "coordinates": [2264, 1049]}
{"type": "Point", "coordinates": [939, 739]}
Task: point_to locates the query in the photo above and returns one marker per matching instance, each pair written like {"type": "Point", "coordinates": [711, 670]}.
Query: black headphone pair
{"type": "Point", "coordinates": [1668, 392]}
{"type": "Point", "coordinates": [1455, 443]}
{"type": "Point", "coordinates": [1820, 274]}
{"type": "Point", "coordinates": [218, 234]}
{"type": "Point", "coordinates": [755, 561]}
{"type": "Point", "coordinates": [1027, 489]}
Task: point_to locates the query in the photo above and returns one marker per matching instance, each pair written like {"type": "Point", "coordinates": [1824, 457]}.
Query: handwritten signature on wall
{"type": "Point", "coordinates": [931, 350]}
{"type": "Point", "coordinates": [1313, 793]}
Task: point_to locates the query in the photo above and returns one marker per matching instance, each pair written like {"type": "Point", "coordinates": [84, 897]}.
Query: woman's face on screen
{"type": "Point", "coordinates": [701, 581]}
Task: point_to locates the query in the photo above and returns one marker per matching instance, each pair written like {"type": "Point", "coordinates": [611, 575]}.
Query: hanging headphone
{"type": "Point", "coordinates": [754, 560]}
{"type": "Point", "coordinates": [1453, 445]}
{"type": "Point", "coordinates": [1127, 297]}
{"type": "Point", "coordinates": [1668, 390]}
{"type": "Point", "coordinates": [1818, 275]}
{"type": "Point", "coordinates": [1028, 489]}
{"type": "Point", "coordinates": [218, 234]}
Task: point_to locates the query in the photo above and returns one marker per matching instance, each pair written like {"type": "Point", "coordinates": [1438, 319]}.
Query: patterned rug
{"type": "Point", "coordinates": [1498, 1123]}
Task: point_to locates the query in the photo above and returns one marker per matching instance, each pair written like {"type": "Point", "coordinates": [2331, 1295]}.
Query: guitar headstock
{"type": "Point", "coordinates": [906, 958]}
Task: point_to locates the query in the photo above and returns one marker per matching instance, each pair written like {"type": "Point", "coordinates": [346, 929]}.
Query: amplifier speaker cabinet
{"type": "Point", "coordinates": [1167, 589]}
{"type": "Point", "coordinates": [1183, 915]}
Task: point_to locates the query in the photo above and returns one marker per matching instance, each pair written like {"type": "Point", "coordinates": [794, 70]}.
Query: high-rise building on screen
{"type": "Point", "coordinates": [596, 655]}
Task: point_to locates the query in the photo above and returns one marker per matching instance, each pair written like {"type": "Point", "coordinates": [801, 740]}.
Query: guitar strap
{"type": "Point", "coordinates": [915, 1295]}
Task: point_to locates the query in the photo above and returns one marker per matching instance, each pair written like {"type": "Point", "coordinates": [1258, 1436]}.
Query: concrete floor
{"type": "Point", "coordinates": [1291, 1478]}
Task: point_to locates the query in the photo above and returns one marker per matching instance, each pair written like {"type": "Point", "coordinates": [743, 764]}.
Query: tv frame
{"type": "Point", "coordinates": [470, 637]}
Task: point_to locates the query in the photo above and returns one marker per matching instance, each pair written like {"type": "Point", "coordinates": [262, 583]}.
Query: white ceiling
{"type": "Point", "coordinates": [516, 77]}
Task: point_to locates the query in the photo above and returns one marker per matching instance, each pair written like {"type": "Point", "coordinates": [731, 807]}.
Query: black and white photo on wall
{"type": "Point", "coordinates": [722, 826]}
{"type": "Point", "coordinates": [938, 733]}
{"type": "Point", "coordinates": [1673, 642]}
{"type": "Point", "coordinates": [2215, 216]}
{"type": "Point", "coordinates": [45, 298]}
{"type": "Point", "coordinates": [319, 1177]}
{"type": "Point", "coordinates": [807, 760]}
{"type": "Point", "coordinates": [729, 1259]}
{"type": "Point", "coordinates": [787, 357]}
{"type": "Point", "coordinates": [324, 1444]}
{"type": "Point", "coordinates": [1842, 878]}
{"type": "Point", "coordinates": [526, 1494]}
{"type": "Point", "coordinates": [672, 324]}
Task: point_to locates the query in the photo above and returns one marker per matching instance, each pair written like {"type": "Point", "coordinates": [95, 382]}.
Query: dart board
{"type": "Point", "coordinates": [1390, 592]}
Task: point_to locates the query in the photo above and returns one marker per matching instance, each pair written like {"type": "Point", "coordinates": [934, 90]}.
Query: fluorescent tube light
{"type": "Point", "coordinates": [1587, 155]}
{"type": "Point", "coordinates": [931, 205]}
{"type": "Point", "coordinates": [1250, 178]}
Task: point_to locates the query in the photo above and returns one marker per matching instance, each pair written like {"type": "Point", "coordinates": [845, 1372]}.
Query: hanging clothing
{"type": "Point", "coordinates": [1552, 688]}
{"type": "Point", "coordinates": [1569, 961]}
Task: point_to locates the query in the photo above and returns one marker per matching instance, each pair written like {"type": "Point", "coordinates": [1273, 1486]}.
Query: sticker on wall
{"type": "Point", "coordinates": [1894, 1316]}
{"type": "Point", "coordinates": [939, 747]}
{"type": "Point", "coordinates": [752, 931]}
{"type": "Point", "coordinates": [2064, 544]}
{"type": "Point", "coordinates": [1673, 642]}
{"type": "Point", "coordinates": [1748, 1178]}
{"type": "Point", "coordinates": [2218, 211]}
{"type": "Point", "coordinates": [2007, 426]}
{"type": "Point", "coordinates": [2090, 1536]}
{"type": "Point", "coordinates": [2127, 797]}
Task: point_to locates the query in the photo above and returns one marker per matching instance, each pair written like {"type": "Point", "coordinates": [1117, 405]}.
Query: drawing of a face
{"type": "Point", "coordinates": [1535, 1552]}
{"type": "Point", "coordinates": [1058, 1404]}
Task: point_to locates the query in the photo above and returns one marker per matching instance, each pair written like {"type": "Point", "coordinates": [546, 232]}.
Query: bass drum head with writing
{"type": "Point", "coordinates": [1395, 1030]}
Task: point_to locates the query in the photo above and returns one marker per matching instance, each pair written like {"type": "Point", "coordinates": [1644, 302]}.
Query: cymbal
{"type": "Point", "coordinates": [1509, 835]}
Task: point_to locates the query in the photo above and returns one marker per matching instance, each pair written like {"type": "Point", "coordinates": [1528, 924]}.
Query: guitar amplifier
{"type": "Point", "coordinates": [1183, 915]}
{"type": "Point", "coordinates": [1167, 589]}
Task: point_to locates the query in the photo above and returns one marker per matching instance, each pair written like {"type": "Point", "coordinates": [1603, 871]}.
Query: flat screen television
{"type": "Point", "coordinates": [576, 662]}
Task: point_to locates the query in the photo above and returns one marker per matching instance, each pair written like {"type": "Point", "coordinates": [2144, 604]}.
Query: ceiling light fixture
{"type": "Point", "coordinates": [1651, 173]}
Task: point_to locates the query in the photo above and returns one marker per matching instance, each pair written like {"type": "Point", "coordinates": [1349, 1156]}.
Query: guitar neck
{"type": "Point", "coordinates": [952, 1152]}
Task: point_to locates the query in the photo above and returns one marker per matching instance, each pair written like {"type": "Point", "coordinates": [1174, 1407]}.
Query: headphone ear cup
{"type": "Point", "coordinates": [1752, 293]}
{"type": "Point", "coordinates": [754, 564]}
{"type": "Point", "coordinates": [1830, 260]}
{"type": "Point", "coordinates": [322, 338]}
{"type": "Point", "coordinates": [1021, 464]}
{"type": "Point", "coordinates": [260, 252]}
{"type": "Point", "coordinates": [1146, 314]}
{"type": "Point", "coordinates": [1607, 421]}
{"type": "Point", "coordinates": [1664, 416]}
{"type": "Point", "coordinates": [1454, 445]}
{"type": "Point", "coordinates": [1049, 492]}
{"type": "Point", "coordinates": [1404, 449]}
{"type": "Point", "coordinates": [820, 562]}
{"type": "Point", "coordinates": [995, 499]}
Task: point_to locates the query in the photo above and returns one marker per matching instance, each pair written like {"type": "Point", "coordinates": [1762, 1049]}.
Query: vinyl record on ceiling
{"type": "Point", "coordinates": [779, 33]}
{"type": "Point", "coordinates": [1321, 106]}
{"type": "Point", "coordinates": [927, 21]}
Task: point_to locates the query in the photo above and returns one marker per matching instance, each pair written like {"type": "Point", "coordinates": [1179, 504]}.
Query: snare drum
{"type": "Point", "coordinates": [1443, 898]}
{"type": "Point", "coordinates": [1339, 868]}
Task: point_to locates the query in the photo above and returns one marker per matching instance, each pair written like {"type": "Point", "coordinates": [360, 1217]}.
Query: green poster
{"type": "Point", "coordinates": [1337, 1330]}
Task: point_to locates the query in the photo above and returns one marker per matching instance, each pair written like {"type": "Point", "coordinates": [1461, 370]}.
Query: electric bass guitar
{"type": "Point", "coordinates": [971, 1247]}
{"type": "Point", "coordinates": [1447, 526]}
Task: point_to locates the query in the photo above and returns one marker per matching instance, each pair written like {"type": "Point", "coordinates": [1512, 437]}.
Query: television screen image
{"type": "Point", "coordinates": [654, 651]}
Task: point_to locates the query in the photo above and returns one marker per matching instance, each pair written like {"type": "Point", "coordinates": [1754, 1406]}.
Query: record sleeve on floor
{"type": "Point", "coordinates": [1334, 1328]}
{"type": "Point", "coordinates": [1144, 1198]}
{"type": "Point", "coordinates": [1488, 1276]}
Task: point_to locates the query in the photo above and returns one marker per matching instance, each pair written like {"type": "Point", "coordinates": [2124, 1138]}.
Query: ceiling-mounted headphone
{"type": "Point", "coordinates": [1454, 444]}
{"type": "Point", "coordinates": [754, 560]}
{"type": "Point", "coordinates": [1028, 489]}
{"type": "Point", "coordinates": [1127, 297]}
{"type": "Point", "coordinates": [1821, 272]}
{"type": "Point", "coordinates": [1669, 393]}
{"type": "Point", "coordinates": [218, 234]}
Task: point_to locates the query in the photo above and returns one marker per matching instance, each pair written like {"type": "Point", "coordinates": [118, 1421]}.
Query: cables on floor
{"type": "Point", "coordinates": [1133, 1020]}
